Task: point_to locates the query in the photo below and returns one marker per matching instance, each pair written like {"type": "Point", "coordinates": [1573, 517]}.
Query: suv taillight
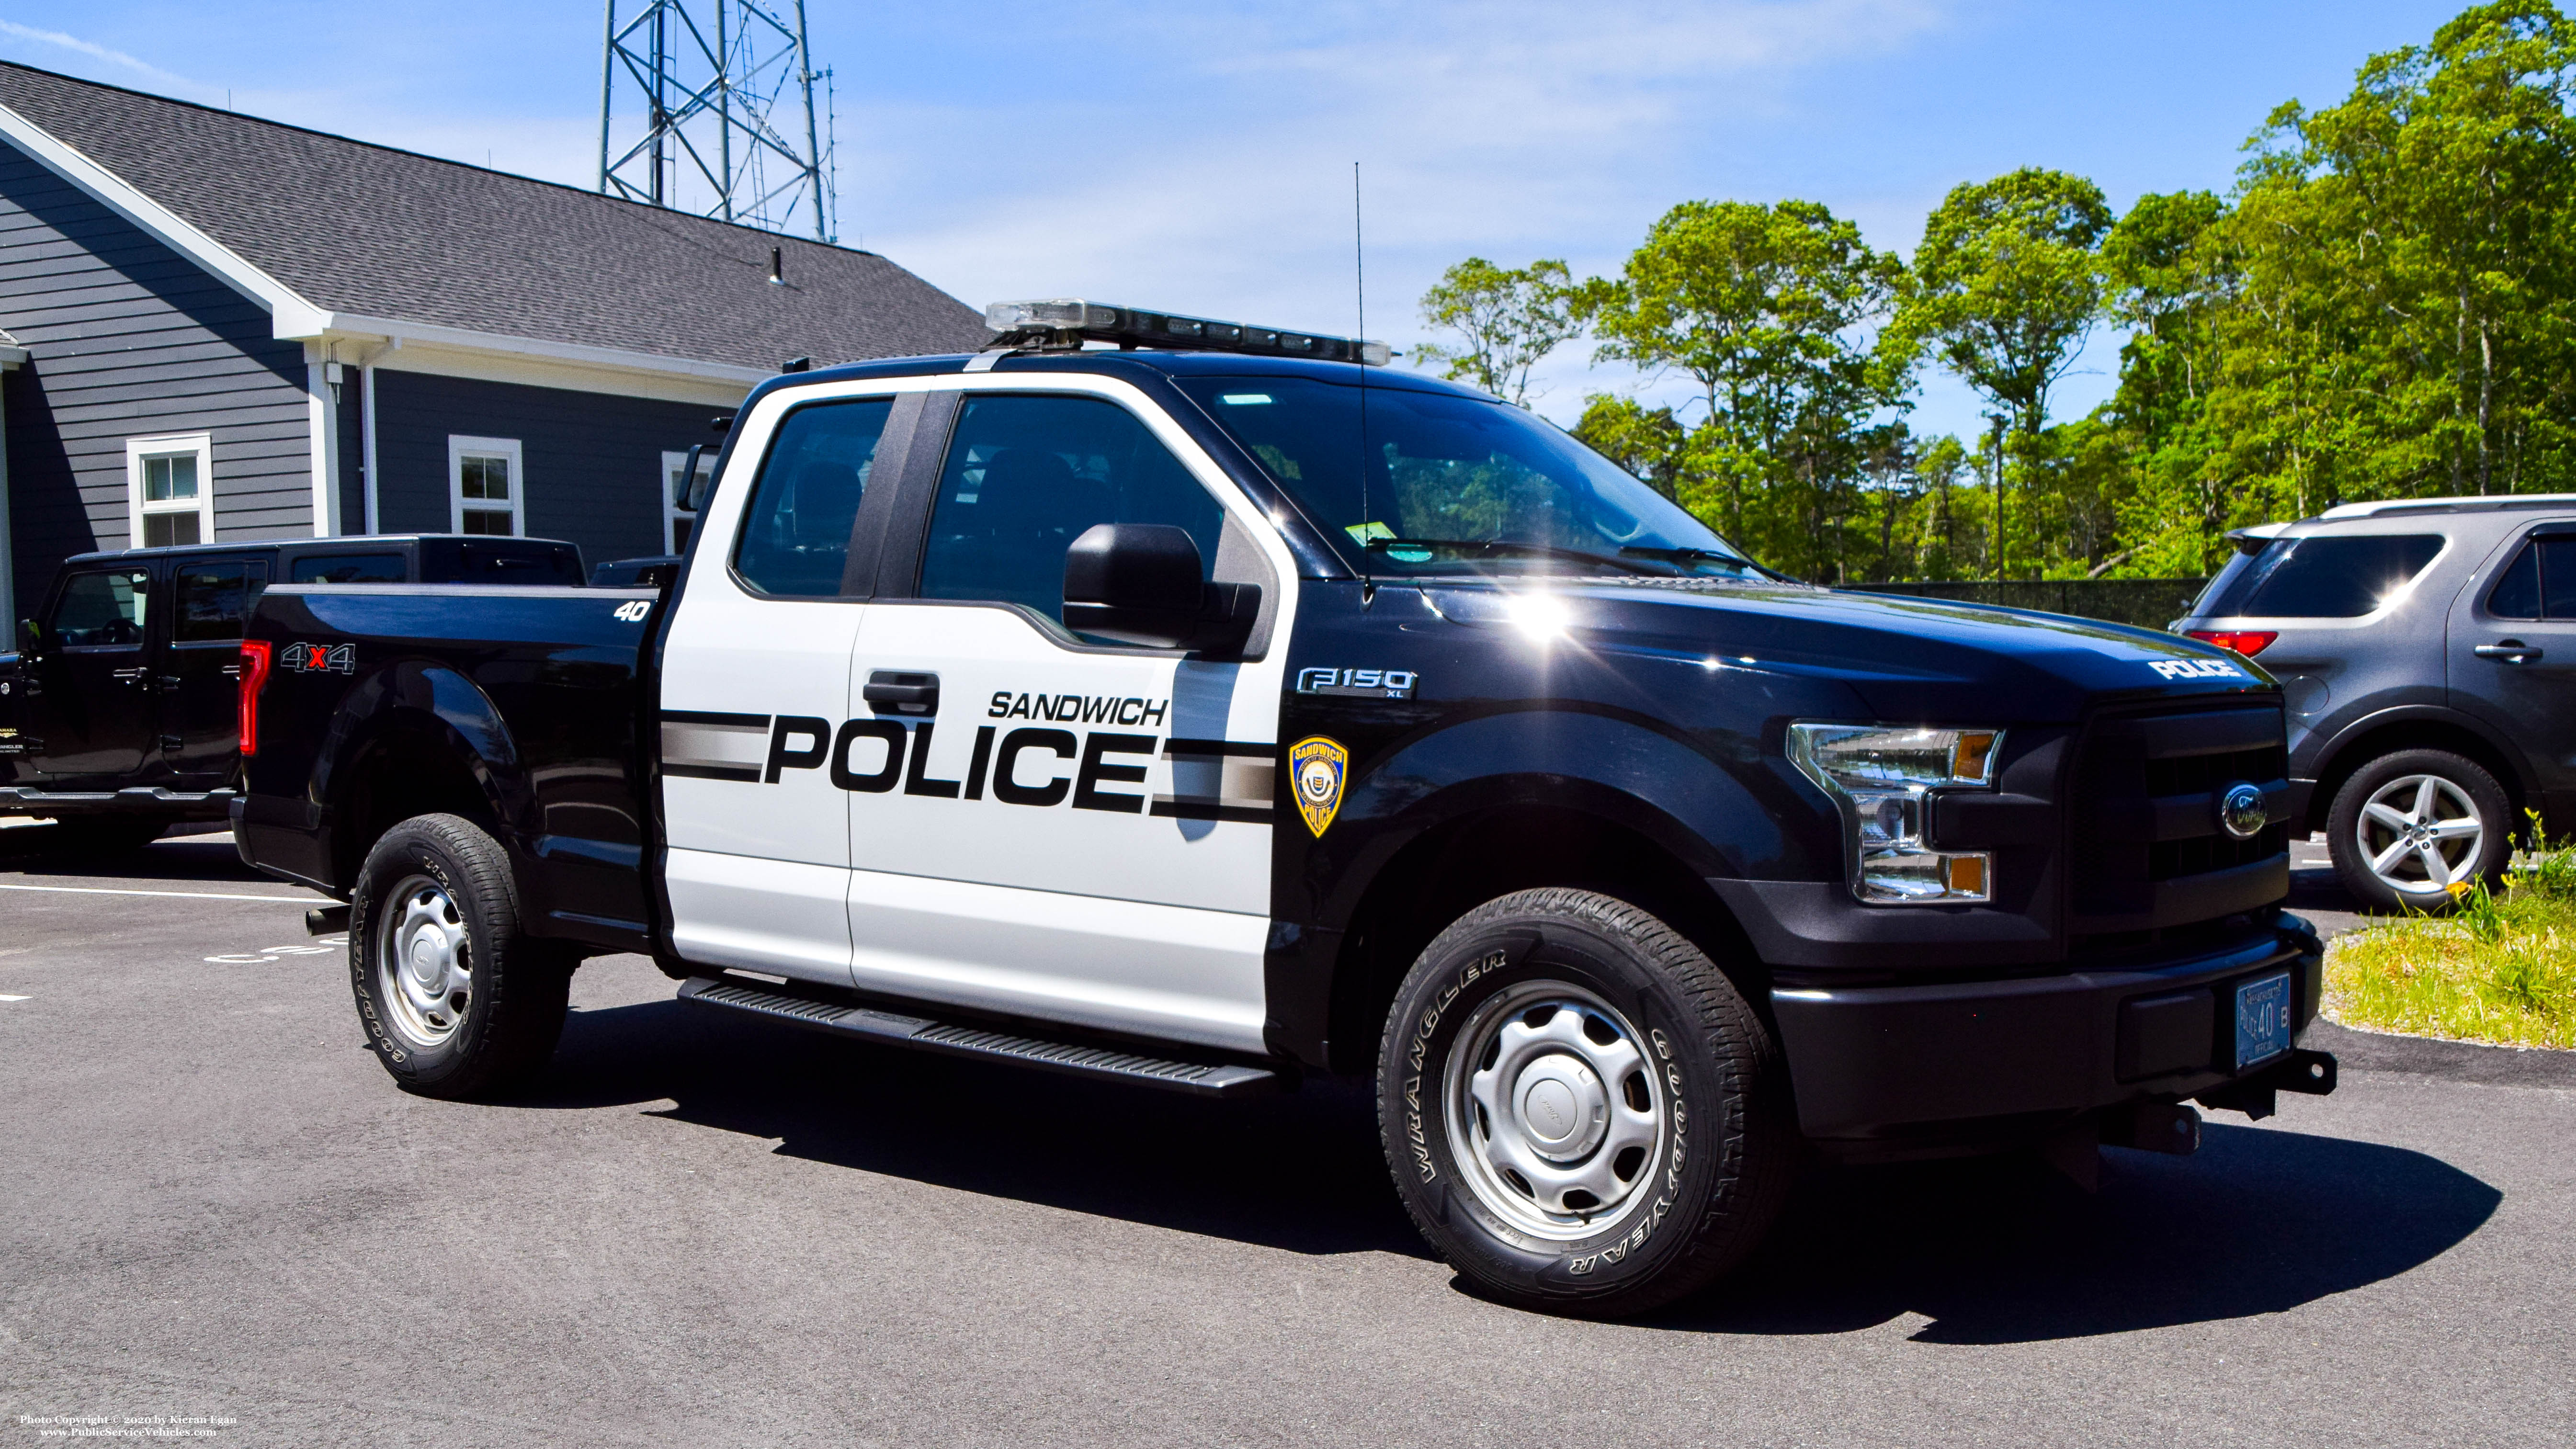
{"type": "Point", "coordinates": [254, 673]}
{"type": "Point", "coordinates": [2248, 642]}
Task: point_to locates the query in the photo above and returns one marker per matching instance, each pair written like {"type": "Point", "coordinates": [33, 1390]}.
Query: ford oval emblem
{"type": "Point", "coordinates": [2241, 812]}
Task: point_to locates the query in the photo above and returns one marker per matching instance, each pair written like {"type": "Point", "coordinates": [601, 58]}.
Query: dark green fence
{"type": "Point", "coordinates": [2149, 603]}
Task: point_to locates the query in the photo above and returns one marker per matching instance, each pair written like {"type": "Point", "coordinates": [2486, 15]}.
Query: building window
{"type": "Point", "coordinates": [486, 491]}
{"type": "Point", "coordinates": [675, 491]}
{"type": "Point", "coordinates": [170, 490]}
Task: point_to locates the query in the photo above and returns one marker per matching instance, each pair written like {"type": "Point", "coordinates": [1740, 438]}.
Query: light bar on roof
{"type": "Point", "coordinates": [1071, 318]}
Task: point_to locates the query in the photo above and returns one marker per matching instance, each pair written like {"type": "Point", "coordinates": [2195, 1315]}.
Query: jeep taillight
{"type": "Point", "coordinates": [254, 674]}
{"type": "Point", "coordinates": [2248, 642]}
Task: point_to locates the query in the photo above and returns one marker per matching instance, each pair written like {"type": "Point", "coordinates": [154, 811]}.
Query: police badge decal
{"type": "Point", "coordinates": [1315, 769]}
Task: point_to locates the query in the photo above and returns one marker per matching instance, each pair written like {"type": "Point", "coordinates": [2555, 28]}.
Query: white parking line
{"type": "Point", "coordinates": [17, 998]}
{"type": "Point", "coordinates": [183, 895]}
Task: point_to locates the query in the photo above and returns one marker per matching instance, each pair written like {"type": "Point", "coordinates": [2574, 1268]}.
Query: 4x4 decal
{"type": "Point", "coordinates": [319, 658]}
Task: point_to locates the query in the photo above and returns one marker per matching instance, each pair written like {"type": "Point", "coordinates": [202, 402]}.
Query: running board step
{"type": "Point", "coordinates": [869, 1024]}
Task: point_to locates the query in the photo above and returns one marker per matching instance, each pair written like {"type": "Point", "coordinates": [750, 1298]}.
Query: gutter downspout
{"type": "Point", "coordinates": [10, 358]}
{"type": "Point", "coordinates": [325, 439]}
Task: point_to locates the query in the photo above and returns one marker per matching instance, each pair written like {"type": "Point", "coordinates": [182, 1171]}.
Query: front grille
{"type": "Point", "coordinates": [2149, 860]}
{"type": "Point", "coordinates": [2174, 859]}
{"type": "Point", "coordinates": [2205, 774]}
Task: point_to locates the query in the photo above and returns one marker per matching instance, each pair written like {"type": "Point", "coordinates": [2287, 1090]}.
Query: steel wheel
{"type": "Point", "coordinates": [1555, 1114]}
{"type": "Point", "coordinates": [424, 962]}
{"type": "Point", "coordinates": [2419, 833]}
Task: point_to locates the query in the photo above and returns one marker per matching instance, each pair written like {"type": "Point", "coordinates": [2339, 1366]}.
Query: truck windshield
{"type": "Point", "coordinates": [1448, 484]}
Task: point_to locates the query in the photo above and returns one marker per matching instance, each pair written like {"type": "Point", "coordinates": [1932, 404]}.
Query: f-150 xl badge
{"type": "Point", "coordinates": [1358, 683]}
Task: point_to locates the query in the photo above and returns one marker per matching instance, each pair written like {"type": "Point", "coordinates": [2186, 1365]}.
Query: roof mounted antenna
{"type": "Point", "coordinates": [1359, 283]}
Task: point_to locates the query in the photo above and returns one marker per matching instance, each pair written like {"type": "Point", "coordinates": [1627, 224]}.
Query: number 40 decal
{"type": "Point", "coordinates": [633, 612]}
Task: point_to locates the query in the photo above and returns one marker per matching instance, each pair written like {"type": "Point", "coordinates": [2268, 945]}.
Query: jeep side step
{"type": "Point", "coordinates": [864, 1023]}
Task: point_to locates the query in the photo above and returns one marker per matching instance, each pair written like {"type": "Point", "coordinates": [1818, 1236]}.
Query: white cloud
{"type": "Point", "coordinates": [1509, 131]}
{"type": "Point", "coordinates": [142, 68]}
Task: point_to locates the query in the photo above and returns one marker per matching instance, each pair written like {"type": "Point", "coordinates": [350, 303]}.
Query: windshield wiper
{"type": "Point", "coordinates": [1501, 546]}
{"type": "Point", "coordinates": [1703, 555]}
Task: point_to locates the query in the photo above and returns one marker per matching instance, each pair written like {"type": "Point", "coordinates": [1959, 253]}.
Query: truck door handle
{"type": "Point", "coordinates": [2511, 651]}
{"type": "Point", "coordinates": [128, 676]}
{"type": "Point", "coordinates": [901, 692]}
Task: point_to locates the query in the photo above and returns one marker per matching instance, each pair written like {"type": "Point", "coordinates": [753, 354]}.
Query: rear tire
{"type": "Point", "coordinates": [456, 999]}
{"type": "Point", "coordinates": [1583, 1115]}
{"type": "Point", "coordinates": [2399, 811]}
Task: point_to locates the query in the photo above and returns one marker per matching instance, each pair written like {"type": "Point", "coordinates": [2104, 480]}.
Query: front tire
{"type": "Point", "coordinates": [2410, 823]}
{"type": "Point", "coordinates": [457, 1001]}
{"type": "Point", "coordinates": [1583, 1115]}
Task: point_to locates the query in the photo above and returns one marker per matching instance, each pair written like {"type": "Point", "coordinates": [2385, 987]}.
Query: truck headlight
{"type": "Point", "coordinates": [1882, 777]}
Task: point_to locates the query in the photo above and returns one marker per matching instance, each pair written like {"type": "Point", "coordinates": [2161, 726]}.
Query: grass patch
{"type": "Point", "coordinates": [2501, 968]}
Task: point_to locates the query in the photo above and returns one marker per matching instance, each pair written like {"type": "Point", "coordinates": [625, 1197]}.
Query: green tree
{"type": "Point", "coordinates": [1775, 312]}
{"type": "Point", "coordinates": [1510, 318]}
{"type": "Point", "coordinates": [2004, 289]}
{"type": "Point", "coordinates": [1646, 441]}
{"type": "Point", "coordinates": [2407, 318]}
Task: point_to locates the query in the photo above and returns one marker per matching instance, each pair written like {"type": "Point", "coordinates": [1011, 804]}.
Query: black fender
{"type": "Point", "coordinates": [1714, 805]}
{"type": "Point", "coordinates": [1722, 807]}
{"type": "Point", "coordinates": [429, 701]}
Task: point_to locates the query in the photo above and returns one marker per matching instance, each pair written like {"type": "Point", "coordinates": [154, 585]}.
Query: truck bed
{"type": "Point", "coordinates": [538, 694]}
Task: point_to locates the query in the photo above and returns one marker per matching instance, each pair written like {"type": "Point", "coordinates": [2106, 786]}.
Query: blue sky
{"type": "Point", "coordinates": [1196, 156]}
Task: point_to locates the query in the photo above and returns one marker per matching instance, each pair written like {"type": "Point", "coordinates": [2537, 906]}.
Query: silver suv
{"type": "Point", "coordinates": [2427, 655]}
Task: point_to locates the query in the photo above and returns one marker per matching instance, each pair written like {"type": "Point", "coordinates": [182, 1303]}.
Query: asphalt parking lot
{"type": "Point", "coordinates": [216, 1206]}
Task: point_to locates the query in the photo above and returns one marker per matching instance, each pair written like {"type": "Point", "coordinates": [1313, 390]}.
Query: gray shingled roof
{"type": "Point", "coordinates": [384, 233]}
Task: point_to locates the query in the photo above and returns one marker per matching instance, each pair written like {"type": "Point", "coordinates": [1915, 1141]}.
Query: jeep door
{"type": "Point", "coordinates": [200, 679]}
{"type": "Point", "coordinates": [1042, 823]}
{"type": "Point", "coordinates": [95, 712]}
{"type": "Point", "coordinates": [2513, 652]}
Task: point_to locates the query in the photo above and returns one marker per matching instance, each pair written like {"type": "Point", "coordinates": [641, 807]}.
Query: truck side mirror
{"type": "Point", "coordinates": [693, 489]}
{"type": "Point", "coordinates": [31, 638]}
{"type": "Point", "coordinates": [1143, 583]}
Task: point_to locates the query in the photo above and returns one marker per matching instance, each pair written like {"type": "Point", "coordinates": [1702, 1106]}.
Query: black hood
{"type": "Point", "coordinates": [1905, 658]}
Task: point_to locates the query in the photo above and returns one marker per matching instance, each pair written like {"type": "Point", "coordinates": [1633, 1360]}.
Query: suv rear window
{"type": "Point", "coordinates": [2320, 576]}
{"type": "Point", "coordinates": [2540, 583]}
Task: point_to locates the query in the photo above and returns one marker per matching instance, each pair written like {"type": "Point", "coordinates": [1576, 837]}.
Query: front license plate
{"type": "Point", "coordinates": [2262, 1020]}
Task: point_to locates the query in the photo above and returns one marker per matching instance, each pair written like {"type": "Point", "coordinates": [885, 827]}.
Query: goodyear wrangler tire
{"type": "Point", "coordinates": [455, 1000]}
{"type": "Point", "coordinates": [1582, 1113]}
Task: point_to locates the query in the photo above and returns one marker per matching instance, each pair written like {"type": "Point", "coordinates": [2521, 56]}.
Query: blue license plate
{"type": "Point", "coordinates": [2262, 1020]}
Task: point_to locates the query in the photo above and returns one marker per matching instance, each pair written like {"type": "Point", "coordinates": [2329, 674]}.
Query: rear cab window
{"type": "Point", "coordinates": [348, 568]}
{"type": "Point", "coordinates": [499, 561]}
{"type": "Point", "coordinates": [2320, 576]}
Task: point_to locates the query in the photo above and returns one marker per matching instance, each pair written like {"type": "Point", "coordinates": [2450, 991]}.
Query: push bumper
{"type": "Point", "coordinates": [1963, 1063]}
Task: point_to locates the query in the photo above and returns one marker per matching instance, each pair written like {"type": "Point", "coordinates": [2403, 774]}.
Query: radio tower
{"type": "Point", "coordinates": [720, 96]}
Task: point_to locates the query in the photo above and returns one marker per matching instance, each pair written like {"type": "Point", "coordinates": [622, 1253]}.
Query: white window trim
{"type": "Point", "coordinates": [672, 514]}
{"type": "Point", "coordinates": [458, 446]}
{"type": "Point", "coordinates": [137, 449]}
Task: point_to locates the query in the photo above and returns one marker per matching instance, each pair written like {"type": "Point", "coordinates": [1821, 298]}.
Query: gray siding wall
{"type": "Point", "coordinates": [126, 338]}
{"type": "Point", "coordinates": [593, 462]}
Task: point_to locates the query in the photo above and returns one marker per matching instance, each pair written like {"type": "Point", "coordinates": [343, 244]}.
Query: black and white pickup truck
{"type": "Point", "coordinates": [1221, 708]}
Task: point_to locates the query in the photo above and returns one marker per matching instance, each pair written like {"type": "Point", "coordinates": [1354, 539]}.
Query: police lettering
{"type": "Point", "coordinates": [875, 756]}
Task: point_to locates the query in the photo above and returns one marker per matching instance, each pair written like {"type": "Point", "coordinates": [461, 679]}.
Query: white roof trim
{"type": "Point", "coordinates": [616, 358]}
{"type": "Point", "coordinates": [291, 317]}
{"type": "Point", "coordinates": [290, 314]}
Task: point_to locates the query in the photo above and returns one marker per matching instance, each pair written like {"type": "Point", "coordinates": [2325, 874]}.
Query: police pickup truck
{"type": "Point", "coordinates": [1216, 707]}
